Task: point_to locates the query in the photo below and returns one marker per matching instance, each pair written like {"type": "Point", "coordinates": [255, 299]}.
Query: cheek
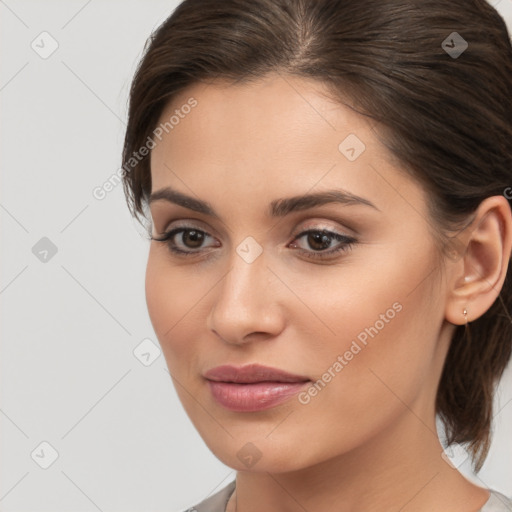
{"type": "Point", "coordinates": [383, 350]}
{"type": "Point", "coordinates": [173, 299]}
{"type": "Point", "coordinates": [160, 299]}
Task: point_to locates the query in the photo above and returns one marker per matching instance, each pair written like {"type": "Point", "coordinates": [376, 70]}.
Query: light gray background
{"type": "Point", "coordinates": [69, 325]}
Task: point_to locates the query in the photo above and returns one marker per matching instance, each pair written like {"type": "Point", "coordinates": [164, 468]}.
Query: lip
{"type": "Point", "coordinates": [251, 373]}
{"type": "Point", "coordinates": [252, 387]}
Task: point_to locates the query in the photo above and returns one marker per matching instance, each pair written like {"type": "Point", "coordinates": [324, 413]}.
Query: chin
{"type": "Point", "coordinates": [259, 454]}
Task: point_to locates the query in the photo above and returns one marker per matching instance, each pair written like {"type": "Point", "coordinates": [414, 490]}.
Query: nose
{"type": "Point", "coordinates": [246, 305]}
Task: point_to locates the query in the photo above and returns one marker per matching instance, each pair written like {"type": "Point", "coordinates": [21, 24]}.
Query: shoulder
{"type": "Point", "coordinates": [216, 502]}
{"type": "Point", "coordinates": [497, 503]}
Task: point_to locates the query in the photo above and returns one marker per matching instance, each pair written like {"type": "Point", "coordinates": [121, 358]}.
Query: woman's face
{"type": "Point", "coordinates": [357, 311]}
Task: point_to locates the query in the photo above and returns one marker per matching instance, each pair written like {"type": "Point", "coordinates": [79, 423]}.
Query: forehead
{"type": "Point", "coordinates": [279, 134]}
{"type": "Point", "coordinates": [274, 113]}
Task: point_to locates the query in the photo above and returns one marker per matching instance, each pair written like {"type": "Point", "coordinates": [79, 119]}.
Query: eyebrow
{"type": "Point", "coordinates": [278, 207]}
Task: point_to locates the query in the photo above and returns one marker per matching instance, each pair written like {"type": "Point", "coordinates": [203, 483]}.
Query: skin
{"type": "Point", "coordinates": [367, 441]}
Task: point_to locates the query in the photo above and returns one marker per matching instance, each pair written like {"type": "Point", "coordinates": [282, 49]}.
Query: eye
{"type": "Point", "coordinates": [191, 238]}
{"type": "Point", "coordinates": [321, 239]}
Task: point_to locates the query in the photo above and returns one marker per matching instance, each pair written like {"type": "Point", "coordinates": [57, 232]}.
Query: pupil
{"type": "Point", "coordinates": [321, 238]}
{"type": "Point", "coordinates": [195, 236]}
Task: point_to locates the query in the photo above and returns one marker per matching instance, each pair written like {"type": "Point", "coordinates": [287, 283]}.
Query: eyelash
{"type": "Point", "coordinates": [347, 242]}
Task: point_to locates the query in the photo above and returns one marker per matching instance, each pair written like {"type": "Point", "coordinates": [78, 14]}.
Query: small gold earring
{"type": "Point", "coordinates": [465, 313]}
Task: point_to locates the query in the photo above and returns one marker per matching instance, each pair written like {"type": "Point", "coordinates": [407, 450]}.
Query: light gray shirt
{"type": "Point", "coordinates": [497, 502]}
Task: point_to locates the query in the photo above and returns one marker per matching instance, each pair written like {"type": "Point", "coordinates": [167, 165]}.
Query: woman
{"type": "Point", "coordinates": [325, 184]}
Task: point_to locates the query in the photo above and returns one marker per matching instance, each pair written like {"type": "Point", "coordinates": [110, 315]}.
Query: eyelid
{"type": "Point", "coordinates": [343, 224]}
{"type": "Point", "coordinates": [320, 226]}
{"type": "Point", "coordinates": [185, 223]}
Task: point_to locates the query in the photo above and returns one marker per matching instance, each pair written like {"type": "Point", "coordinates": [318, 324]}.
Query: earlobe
{"type": "Point", "coordinates": [479, 275]}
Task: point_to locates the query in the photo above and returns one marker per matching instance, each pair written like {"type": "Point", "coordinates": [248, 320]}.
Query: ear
{"type": "Point", "coordinates": [478, 276]}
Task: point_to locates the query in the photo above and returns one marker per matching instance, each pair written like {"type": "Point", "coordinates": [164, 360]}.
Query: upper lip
{"type": "Point", "coordinates": [251, 373]}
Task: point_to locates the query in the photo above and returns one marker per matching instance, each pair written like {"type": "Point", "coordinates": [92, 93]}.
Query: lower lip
{"type": "Point", "coordinates": [253, 397]}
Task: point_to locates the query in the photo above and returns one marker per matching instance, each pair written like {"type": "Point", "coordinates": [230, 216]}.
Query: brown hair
{"type": "Point", "coordinates": [447, 118]}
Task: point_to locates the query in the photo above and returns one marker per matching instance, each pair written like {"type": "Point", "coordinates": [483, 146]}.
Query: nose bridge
{"type": "Point", "coordinates": [243, 303]}
{"type": "Point", "coordinates": [247, 280]}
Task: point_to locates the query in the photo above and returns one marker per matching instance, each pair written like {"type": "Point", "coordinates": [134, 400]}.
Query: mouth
{"type": "Point", "coordinates": [253, 387]}
{"type": "Point", "coordinates": [251, 373]}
